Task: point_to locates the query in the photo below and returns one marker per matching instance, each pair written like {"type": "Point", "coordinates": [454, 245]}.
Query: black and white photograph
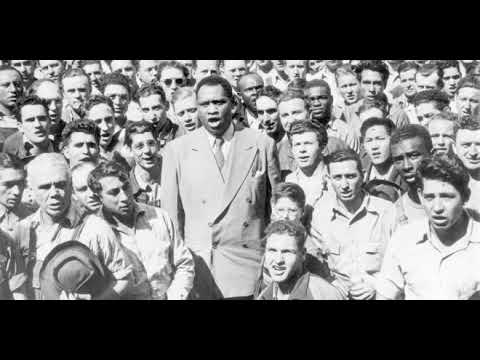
{"type": "Point", "coordinates": [239, 180]}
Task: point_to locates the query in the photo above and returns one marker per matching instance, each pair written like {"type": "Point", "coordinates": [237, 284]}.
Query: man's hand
{"type": "Point", "coordinates": [73, 296]}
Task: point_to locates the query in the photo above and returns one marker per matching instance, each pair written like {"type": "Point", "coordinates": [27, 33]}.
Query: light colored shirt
{"type": "Point", "coordinates": [352, 244]}
{"type": "Point", "coordinates": [161, 258]}
{"type": "Point", "coordinates": [314, 186]}
{"type": "Point", "coordinates": [374, 174]}
{"type": "Point", "coordinates": [253, 122]}
{"type": "Point", "coordinates": [341, 130]}
{"type": "Point", "coordinates": [474, 202]}
{"type": "Point", "coordinates": [407, 210]}
{"type": "Point", "coordinates": [419, 267]}
{"type": "Point", "coordinates": [227, 137]}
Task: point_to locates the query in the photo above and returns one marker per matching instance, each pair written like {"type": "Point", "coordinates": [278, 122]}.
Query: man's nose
{"type": "Point", "coordinates": [438, 206]}
{"type": "Point", "coordinates": [473, 150]}
{"type": "Point", "coordinates": [407, 164]}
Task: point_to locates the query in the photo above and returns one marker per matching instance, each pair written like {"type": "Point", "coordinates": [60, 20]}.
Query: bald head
{"type": "Point", "coordinates": [47, 163]}
{"type": "Point", "coordinates": [249, 86]}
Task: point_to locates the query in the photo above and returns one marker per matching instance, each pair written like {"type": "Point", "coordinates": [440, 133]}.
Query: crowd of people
{"type": "Point", "coordinates": [239, 179]}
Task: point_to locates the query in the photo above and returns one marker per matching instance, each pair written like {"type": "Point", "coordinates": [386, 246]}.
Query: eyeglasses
{"type": "Point", "coordinates": [268, 111]}
{"type": "Point", "coordinates": [168, 82]}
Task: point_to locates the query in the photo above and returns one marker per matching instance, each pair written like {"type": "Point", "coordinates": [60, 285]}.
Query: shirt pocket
{"type": "Point", "coordinates": [372, 257]}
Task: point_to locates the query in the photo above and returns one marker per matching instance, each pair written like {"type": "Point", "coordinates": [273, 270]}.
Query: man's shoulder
{"type": "Point", "coordinates": [381, 204]}
{"type": "Point", "coordinates": [13, 142]}
{"type": "Point", "coordinates": [322, 289]}
{"type": "Point", "coordinates": [152, 212]}
{"type": "Point", "coordinates": [96, 224]}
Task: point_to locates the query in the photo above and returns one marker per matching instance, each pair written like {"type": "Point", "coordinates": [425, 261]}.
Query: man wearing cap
{"type": "Point", "coordinates": [58, 221]}
{"type": "Point", "coordinates": [162, 265]}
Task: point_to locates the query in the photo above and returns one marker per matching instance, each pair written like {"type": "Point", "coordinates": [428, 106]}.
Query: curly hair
{"type": "Point", "coordinates": [303, 126]}
{"type": "Point", "coordinates": [291, 228]}
{"type": "Point", "coordinates": [83, 126]}
{"type": "Point", "coordinates": [97, 100]}
{"type": "Point", "coordinates": [138, 127]}
{"type": "Point", "coordinates": [216, 80]}
{"type": "Point", "coordinates": [446, 168]}
{"type": "Point", "coordinates": [412, 131]}
{"type": "Point", "coordinates": [375, 66]}
{"type": "Point", "coordinates": [116, 78]}
{"type": "Point", "coordinates": [439, 98]}
{"type": "Point", "coordinates": [106, 169]}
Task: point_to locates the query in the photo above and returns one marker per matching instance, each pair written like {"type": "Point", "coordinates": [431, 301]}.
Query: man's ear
{"type": "Point", "coordinates": [66, 152]}
{"type": "Point", "coordinates": [419, 192]}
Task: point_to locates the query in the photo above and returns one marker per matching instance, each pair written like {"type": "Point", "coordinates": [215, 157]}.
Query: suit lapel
{"type": "Point", "coordinates": [241, 155]}
{"type": "Point", "coordinates": [201, 146]}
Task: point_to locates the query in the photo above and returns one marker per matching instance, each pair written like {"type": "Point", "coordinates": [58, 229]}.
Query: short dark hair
{"type": "Point", "coordinates": [304, 126]}
{"type": "Point", "coordinates": [83, 126]}
{"type": "Point", "coordinates": [412, 131]}
{"type": "Point", "coordinates": [445, 64]}
{"type": "Point", "coordinates": [152, 89]}
{"type": "Point", "coordinates": [470, 122]}
{"type": "Point", "coordinates": [439, 98]}
{"type": "Point", "coordinates": [271, 92]}
{"type": "Point", "coordinates": [172, 64]}
{"type": "Point", "coordinates": [30, 100]}
{"type": "Point", "coordinates": [290, 191]}
{"type": "Point", "coordinates": [297, 85]}
{"type": "Point", "coordinates": [344, 155]}
{"type": "Point", "coordinates": [373, 65]}
{"type": "Point", "coordinates": [468, 81]}
{"type": "Point", "coordinates": [97, 100]}
{"type": "Point", "coordinates": [406, 66]}
{"type": "Point", "coordinates": [317, 83]}
{"type": "Point", "coordinates": [10, 161]}
{"type": "Point", "coordinates": [446, 168]}
{"type": "Point", "coordinates": [380, 101]}
{"type": "Point", "coordinates": [215, 80]}
{"type": "Point", "coordinates": [428, 69]}
{"type": "Point", "coordinates": [115, 78]}
{"type": "Point", "coordinates": [106, 169]}
{"type": "Point", "coordinates": [367, 124]}
{"type": "Point", "coordinates": [75, 72]}
{"type": "Point", "coordinates": [138, 127]}
{"type": "Point", "coordinates": [291, 228]}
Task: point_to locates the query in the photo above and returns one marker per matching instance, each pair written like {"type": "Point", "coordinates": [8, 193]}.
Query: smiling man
{"type": "Point", "coordinates": [285, 256]}
{"type": "Point", "coordinates": [216, 186]}
{"type": "Point", "coordinates": [146, 172]}
{"type": "Point", "coordinates": [352, 228]}
{"type": "Point", "coordinates": [409, 146]}
{"type": "Point", "coordinates": [435, 258]}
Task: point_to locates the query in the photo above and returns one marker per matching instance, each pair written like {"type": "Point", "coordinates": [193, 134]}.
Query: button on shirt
{"type": "Point", "coordinates": [419, 267]}
{"type": "Point", "coordinates": [227, 137]}
{"type": "Point", "coordinates": [162, 259]}
{"type": "Point", "coordinates": [96, 234]}
{"type": "Point", "coordinates": [352, 243]}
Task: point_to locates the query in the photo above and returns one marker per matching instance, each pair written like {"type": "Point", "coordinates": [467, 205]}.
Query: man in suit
{"type": "Point", "coordinates": [216, 187]}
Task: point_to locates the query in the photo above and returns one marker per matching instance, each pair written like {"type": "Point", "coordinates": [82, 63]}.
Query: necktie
{"type": "Point", "coordinates": [217, 151]}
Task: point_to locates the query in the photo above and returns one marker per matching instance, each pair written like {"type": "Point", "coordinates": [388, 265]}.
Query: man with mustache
{"type": "Point", "coordinates": [146, 172]}
{"type": "Point", "coordinates": [351, 229]}
{"type": "Point", "coordinates": [249, 86]}
{"type": "Point", "coordinates": [468, 150]}
{"type": "Point", "coordinates": [467, 96]}
{"type": "Point", "coordinates": [409, 146]}
{"type": "Point", "coordinates": [76, 92]}
{"type": "Point", "coordinates": [216, 186]}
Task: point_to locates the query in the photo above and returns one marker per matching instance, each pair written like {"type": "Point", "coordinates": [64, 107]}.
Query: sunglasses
{"type": "Point", "coordinates": [268, 111]}
{"type": "Point", "coordinates": [169, 82]}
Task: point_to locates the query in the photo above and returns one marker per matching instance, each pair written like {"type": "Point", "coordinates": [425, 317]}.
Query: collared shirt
{"type": "Point", "coordinates": [17, 144]}
{"type": "Point", "coordinates": [407, 210]}
{"type": "Point", "coordinates": [166, 264]}
{"type": "Point", "coordinates": [314, 186]}
{"type": "Point", "coordinates": [374, 174]}
{"type": "Point", "coordinates": [253, 122]}
{"type": "Point", "coordinates": [227, 137]}
{"type": "Point", "coordinates": [95, 233]}
{"type": "Point", "coordinates": [474, 202]}
{"type": "Point", "coordinates": [145, 193]}
{"type": "Point", "coordinates": [352, 244]}
{"type": "Point", "coordinates": [339, 129]}
{"type": "Point", "coordinates": [69, 114]}
{"type": "Point", "coordinates": [419, 267]}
